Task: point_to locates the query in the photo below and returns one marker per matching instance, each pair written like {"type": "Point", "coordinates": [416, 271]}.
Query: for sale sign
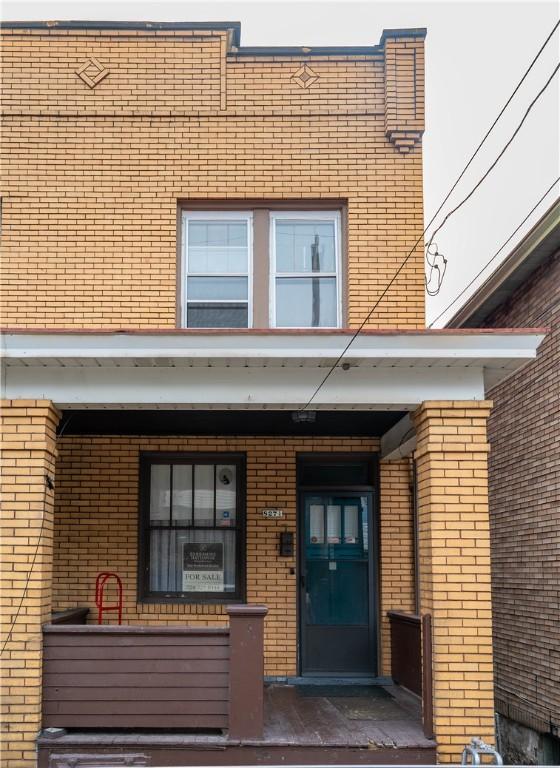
{"type": "Point", "coordinates": [203, 567]}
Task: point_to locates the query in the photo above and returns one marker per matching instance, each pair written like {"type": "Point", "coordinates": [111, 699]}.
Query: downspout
{"type": "Point", "coordinates": [414, 509]}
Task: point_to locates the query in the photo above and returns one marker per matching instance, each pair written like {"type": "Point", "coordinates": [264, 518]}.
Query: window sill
{"type": "Point", "coordinates": [219, 600]}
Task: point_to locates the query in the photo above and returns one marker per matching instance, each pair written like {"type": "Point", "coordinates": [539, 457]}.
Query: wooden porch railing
{"type": "Point", "coordinates": [157, 677]}
{"type": "Point", "coordinates": [411, 659]}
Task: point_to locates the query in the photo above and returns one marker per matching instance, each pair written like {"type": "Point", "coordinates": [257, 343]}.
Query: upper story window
{"type": "Point", "coordinates": [305, 270]}
{"type": "Point", "coordinates": [217, 268]}
{"type": "Point", "coordinates": [263, 267]}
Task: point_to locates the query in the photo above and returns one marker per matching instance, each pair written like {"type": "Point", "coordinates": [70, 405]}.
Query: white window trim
{"type": "Point", "coordinates": [206, 216]}
{"type": "Point", "coordinates": [303, 215]}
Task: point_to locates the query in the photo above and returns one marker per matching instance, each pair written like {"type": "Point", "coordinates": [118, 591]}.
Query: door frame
{"type": "Point", "coordinates": [374, 548]}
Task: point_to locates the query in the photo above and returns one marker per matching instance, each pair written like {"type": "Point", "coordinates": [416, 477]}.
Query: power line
{"type": "Point", "coordinates": [495, 256]}
{"type": "Point", "coordinates": [433, 265]}
{"type": "Point", "coordinates": [496, 161]}
{"type": "Point", "coordinates": [446, 198]}
{"type": "Point", "coordinates": [49, 486]}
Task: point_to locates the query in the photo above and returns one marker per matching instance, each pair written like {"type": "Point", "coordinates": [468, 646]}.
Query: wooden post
{"type": "Point", "coordinates": [427, 693]}
{"type": "Point", "coordinates": [246, 676]}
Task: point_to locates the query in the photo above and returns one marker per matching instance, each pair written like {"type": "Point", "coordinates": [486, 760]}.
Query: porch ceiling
{"type": "Point", "coordinates": [386, 370]}
{"type": "Point", "coordinates": [224, 423]}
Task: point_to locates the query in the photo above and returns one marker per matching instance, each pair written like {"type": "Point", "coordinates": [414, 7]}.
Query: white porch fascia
{"type": "Point", "coordinates": [384, 370]}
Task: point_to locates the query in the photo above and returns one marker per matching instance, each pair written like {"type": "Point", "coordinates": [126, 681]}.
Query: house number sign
{"type": "Point", "coordinates": [273, 513]}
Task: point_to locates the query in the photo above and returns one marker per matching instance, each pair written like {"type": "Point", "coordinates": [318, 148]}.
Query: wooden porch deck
{"type": "Point", "coordinates": [308, 724]}
{"type": "Point", "coordinates": [343, 716]}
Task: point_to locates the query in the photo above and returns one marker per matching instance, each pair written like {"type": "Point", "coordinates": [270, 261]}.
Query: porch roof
{"type": "Point", "coordinates": [383, 369]}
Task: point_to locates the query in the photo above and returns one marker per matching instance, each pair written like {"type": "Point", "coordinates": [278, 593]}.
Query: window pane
{"type": "Point", "coordinates": [174, 558]}
{"type": "Point", "coordinates": [217, 288]}
{"type": "Point", "coordinates": [351, 533]}
{"type": "Point", "coordinates": [217, 246]}
{"type": "Point", "coordinates": [216, 232]}
{"type": "Point", "coordinates": [305, 302]}
{"type": "Point", "coordinates": [305, 246]}
{"type": "Point", "coordinates": [204, 494]}
{"type": "Point", "coordinates": [316, 524]}
{"type": "Point", "coordinates": [225, 495]}
{"type": "Point", "coordinates": [160, 486]}
{"type": "Point", "coordinates": [182, 494]}
{"type": "Point", "coordinates": [217, 315]}
{"type": "Point", "coordinates": [333, 524]}
{"type": "Point", "coordinates": [220, 260]}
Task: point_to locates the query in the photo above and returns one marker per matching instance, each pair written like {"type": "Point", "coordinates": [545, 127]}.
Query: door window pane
{"type": "Point", "coordinates": [333, 524]}
{"type": "Point", "coordinates": [365, 535]}
{"type": "Point", "coordinates": [351, 533]}
{"type": "Point", "coordinates": [316, 524]}
{"type": "Point", "coordinates": [304, 302]}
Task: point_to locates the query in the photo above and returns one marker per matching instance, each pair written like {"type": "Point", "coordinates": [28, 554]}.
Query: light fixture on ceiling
{"type": "Point", "coordinates": [304, 417]}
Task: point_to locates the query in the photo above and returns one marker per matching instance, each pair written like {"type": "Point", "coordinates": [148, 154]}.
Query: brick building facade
{"type": "Point", "coordinates": [524, 435]}
{"type": "Point", "coordinates": [117, 137]}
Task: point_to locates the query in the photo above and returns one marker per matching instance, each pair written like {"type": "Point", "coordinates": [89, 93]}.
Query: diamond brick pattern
{"type": "Point", "coordinates": [92, 72]}
{"type": "Point", "coordinates": [305, 76]}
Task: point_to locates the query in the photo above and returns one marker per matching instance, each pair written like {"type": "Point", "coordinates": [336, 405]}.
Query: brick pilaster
{"type": "Point", "coordinates": [28, 456]}
{"type": "Point", "coordinates": [404, 89]}
{"type": "Point", "coordinates": [454, 554]}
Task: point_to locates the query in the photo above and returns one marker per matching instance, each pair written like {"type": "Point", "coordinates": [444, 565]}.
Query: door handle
{"type": "Point", "coordinates": [302, 580]}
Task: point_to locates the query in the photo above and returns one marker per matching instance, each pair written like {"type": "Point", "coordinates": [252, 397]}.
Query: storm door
{"type": "Point", "coordinates": [337, 585]}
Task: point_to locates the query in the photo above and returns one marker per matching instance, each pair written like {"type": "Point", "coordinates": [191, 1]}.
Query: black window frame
{"type": "Point", "coordinates": [145, 595]}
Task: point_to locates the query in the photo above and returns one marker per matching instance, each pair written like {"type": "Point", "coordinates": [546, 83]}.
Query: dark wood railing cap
{"type": "Point", "coordinates": [131, 629]}
{"type": "Point", "coordinates": [70, 616]}
{"type": "Point", "coordinates": [413, 618]}
{"type": "Point", "coordinates": [246, 610]}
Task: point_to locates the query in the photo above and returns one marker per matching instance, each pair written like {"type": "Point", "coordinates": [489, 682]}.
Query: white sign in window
{"type": "Point", "coordinates": [203, 567]}
{"type": "Point", "coordinates": [317, 524]}
{"type": "Point", "coordinates": [333, 524]}
{"type": "Point", "coordinates": [351, 524]}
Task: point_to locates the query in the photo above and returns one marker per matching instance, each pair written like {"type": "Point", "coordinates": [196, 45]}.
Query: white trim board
{"type": "Point", "coordinates": [395, 371]}
{"type": "Point", "coordinates": [221, 387]}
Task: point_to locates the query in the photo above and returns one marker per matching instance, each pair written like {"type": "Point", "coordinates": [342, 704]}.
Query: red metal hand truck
{"type": "Point", "coordinates": [101, 580]}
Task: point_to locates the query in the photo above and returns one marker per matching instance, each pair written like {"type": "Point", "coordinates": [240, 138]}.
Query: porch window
{"type": "Point", "coordinates": [305, 284]}
{"type": "Point", "coordinates": [192, 525]}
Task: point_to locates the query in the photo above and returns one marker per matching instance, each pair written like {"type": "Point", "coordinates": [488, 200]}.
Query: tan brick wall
{"type": "Point", "coordinates": [454, 552]}
{"type": "Point", "coordinates": [96, 523]}
{"type": "Point", "coordinates": [397, 548]}
{"type": "Point", "coordinates": [28, 454]}
{"type": "Point", "coordinates": [92, 177]}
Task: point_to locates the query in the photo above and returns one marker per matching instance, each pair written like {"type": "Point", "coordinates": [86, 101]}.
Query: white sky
{"type": "Point", "coordinates": [476, 54]}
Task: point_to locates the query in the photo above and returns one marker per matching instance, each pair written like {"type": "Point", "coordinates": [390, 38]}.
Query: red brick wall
{"type": "Point", "coordinates": [524, 430]}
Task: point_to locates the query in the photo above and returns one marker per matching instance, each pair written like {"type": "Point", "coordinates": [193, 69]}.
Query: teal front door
{"type": "Point", "coordinates": [336, 585]}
